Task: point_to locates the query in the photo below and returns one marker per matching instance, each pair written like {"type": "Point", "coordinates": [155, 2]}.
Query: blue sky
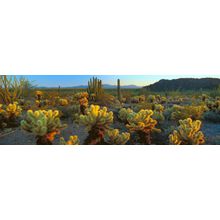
{"type": "Point", "coordinates": [75, 80]}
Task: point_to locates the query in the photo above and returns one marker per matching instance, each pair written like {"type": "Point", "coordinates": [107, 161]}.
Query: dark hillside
{"type": "Point", "coordinates": [183, 84]}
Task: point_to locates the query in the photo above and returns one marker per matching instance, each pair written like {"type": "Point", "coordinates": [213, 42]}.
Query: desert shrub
{"type": "Point", "coordinates": [213, 105]}
{"type": "Point", "coordinates": [11, 88]}
{"type": "Point", "coordinates": [113, 137]}
{"type": "Point", "coordinates": [187, 133]}
{"type": "Point", "coordinates": [43, 124]}
{"type": "Point", "coordinates": [143, 124]}
{"type": "Point", "coordinates": [105, 99]}
{"type": "Point", "coordinates": [97, 121]}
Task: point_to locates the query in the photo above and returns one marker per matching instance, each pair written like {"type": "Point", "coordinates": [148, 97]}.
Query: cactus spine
{"type": "Point", "coordinates": [119, 90]}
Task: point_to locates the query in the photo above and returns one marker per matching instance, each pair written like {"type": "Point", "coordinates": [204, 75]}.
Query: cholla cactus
{"type": "Point", "coordinates": [124, 113]}
{"type": "Point", "coordinates": [187, 133]}
{"type": "Point", "coordinates": [183, 112]}
{"type": "Point", "coordinates": [83, 102]}
{"type": "Point", "coordinates": [44, 124]}
{"type": "Point", "coordinates": [82, 99]}
{"type": "Point", "coordinates": [63, 102]}
{"type": "Point", "coordinates": [158, 112]}
{"type": "Point", "coordinates": [13, 111]}
{"type": "Point", "coordinates": [113, 137]}
{"type": "Point", "coordinates": [204, 97]}
{"type": "Point", "coordinates": [97, 122]}
{"type": "Point", "coordinates": [138, 99]}
{"type": "Point", "coordinates": [38, 95]}
{"type": "Point", "coordinates": [9, 115]}
{"type": "Point", "coordinates": [151, 98]}
{"type": "Point", "coordinates": [80, 95]}
{"type": "Point", "coordinates": [73, 140]}
{"type": "Point", "coordinates": [142, 123]}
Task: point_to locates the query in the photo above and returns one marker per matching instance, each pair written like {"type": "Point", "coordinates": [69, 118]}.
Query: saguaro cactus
{"type": "Point", "coordinates": [119, 90]}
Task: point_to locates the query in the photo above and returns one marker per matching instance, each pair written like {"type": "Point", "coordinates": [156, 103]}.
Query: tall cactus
{"type": "Point", "coordinates": [119, 90]}
{"type": "Point", "coordinates": [94, 87]}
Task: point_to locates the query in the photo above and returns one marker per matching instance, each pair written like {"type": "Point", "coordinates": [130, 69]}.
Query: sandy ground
{"type": "Point", "coordinates": [20, 137]}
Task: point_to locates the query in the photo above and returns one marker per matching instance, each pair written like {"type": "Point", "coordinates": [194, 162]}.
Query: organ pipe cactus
{"type": "Point", "coordinates": [97, 121]}
{"type": "Point", "coordinates": [73, 140]}
{"type": "Point", "coordinates": [44, 124]}
{"type": "Point", "coordinates": [187, 133]}
{"type": "Point", "coordinates": [143, 124]}
{"type": "Point", "coordinates": [113, 137]}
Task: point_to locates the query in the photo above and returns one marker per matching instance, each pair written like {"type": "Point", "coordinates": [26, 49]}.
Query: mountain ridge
{"type": "Point", "coordinates": [105, 86]}
{"type": "Point", "coordinates": [182, 84]}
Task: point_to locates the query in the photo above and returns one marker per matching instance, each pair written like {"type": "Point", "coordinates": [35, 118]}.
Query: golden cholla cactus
{"type": "Point", "coordinates": [13, 110]}
{"type": "Point", "coordinates": [112, 136]}
{"type": "Point", "coordinates": [80, 95]}
{"type": "Point", "coordinates": [9, 115]}
{"type": "Point", "coordinates": [73, 140]}
{"type": "Point", "coordinates": [158, 112]}
{"type": "Point", "coordinates": [84, 102]}
{"type": "Point", "coordinates": [44, 124]}
{"type": "Point", "coordinates": [82, 99]}
{"type": "Point", "coordinates": [142, 123]}
{"type": "Point", "coordinates": [124, 113]}
{"type": "Point", "coordinates": [1, 109]}
{"type": "Point", "coordinates": [151, 98]}
{"type": "Point", "coordinates": [183, 112]}
{"type": "Point", "coordinates": [95, 116]}
{"type": "Point", "coordinates": [96, 120]}
{"type": "Point", "coordinates": [38, 94]}
{"type": "Point", "coordinates": [63, 102]}
{"type": "Point", "coordinates": [187, 133]}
